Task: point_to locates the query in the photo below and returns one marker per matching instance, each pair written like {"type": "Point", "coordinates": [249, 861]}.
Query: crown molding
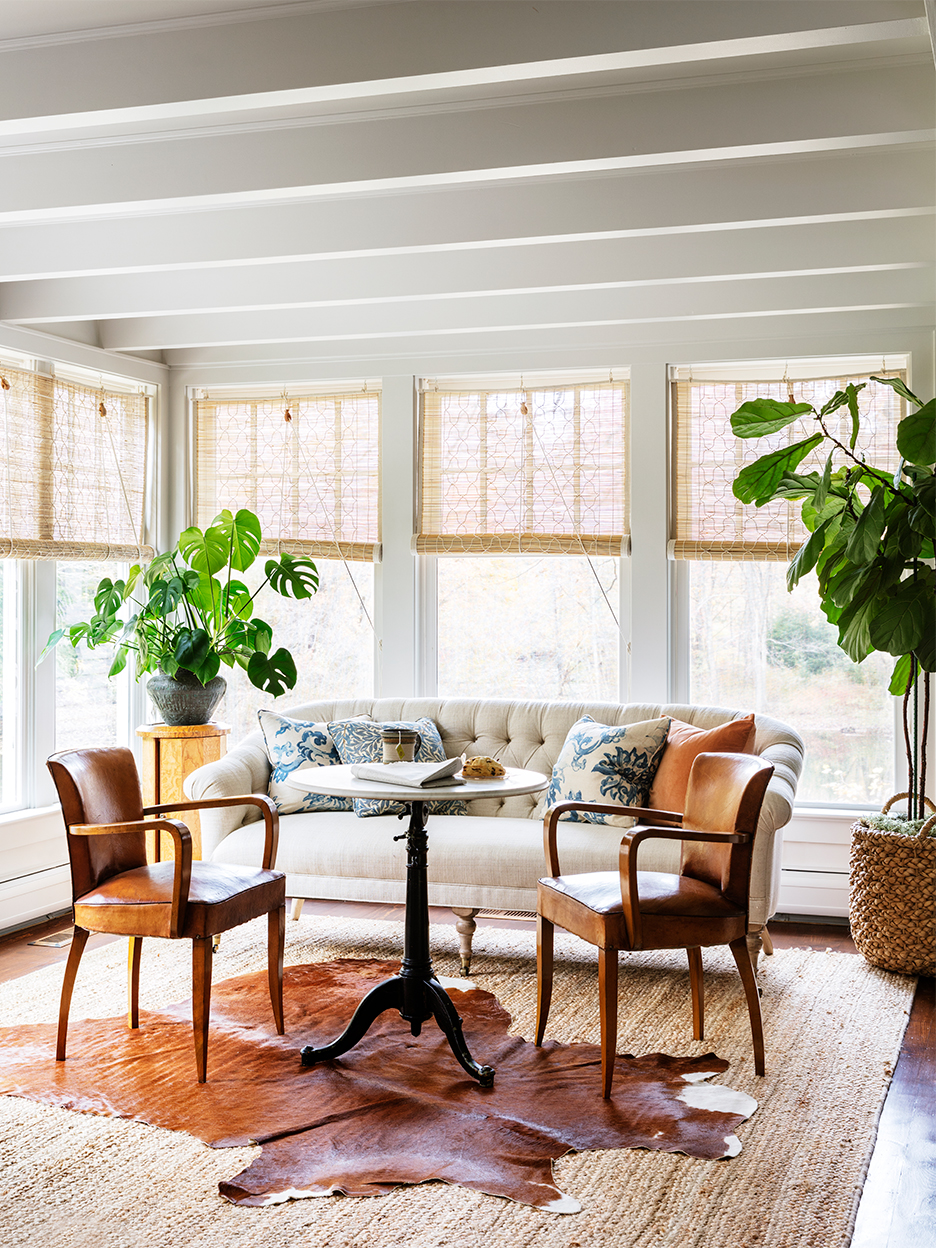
{"type": "Point", "coordinates": [230, 17]}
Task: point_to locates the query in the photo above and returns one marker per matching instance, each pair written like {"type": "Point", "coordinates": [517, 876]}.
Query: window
{"type": "Point", "coordinates": [73, 491]}
{"type": "Point", "coordinates": [751, 644]}
{"type": "Point", "coordinates": [86, 701]}
{"type": "Point", "coordinates": [307, 464]}
{"type": "Point", "coordinates": [528, 627]}
{"type": "Point", "coordinates": [535, 473]}
{"type": "Point", "coordinates": [10, 694]}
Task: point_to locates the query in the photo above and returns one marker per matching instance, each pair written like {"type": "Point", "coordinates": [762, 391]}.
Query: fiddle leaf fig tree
{"type": "Point", "coordinates": [871, 537]}
{"type": "Point", "coordinates": [188, 611]}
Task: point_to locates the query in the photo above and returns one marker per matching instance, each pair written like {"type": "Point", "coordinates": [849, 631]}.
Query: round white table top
{"type": "Point", "coordinates": [338, 782]}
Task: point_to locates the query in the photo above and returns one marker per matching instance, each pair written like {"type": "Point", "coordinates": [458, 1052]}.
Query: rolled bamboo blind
{"type": "Point", "coordinates": [72, 485]}
{"type": "Point", "coordinates": [708, 522]}
{"type": "Point", "coordinates": [523, 471]}
{"type": "Point", "coordinates": [307, 465]}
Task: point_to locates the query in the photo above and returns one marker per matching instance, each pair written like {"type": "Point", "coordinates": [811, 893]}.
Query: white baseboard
{"type": "Point", "coordinates": [34, 897]}
{"type": "Point", "coordinates": [814, 893]}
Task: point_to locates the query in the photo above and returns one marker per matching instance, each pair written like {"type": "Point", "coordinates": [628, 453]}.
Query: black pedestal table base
{"type": "Point", "coordinates": [415, 991]}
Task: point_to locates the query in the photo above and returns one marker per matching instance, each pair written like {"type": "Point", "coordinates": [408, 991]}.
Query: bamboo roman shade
{"type": "Point", "coordinates": [708, 522]}
{"type": "Point", "coordinates": [306, 464]}
{"type": "Point", "coordinates": [531, 470]}
{"type": "Point", "coordinates": [72, 484]}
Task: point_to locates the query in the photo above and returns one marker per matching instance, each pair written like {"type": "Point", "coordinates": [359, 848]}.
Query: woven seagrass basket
{"type": "Point", "coordinates": [892, 896]}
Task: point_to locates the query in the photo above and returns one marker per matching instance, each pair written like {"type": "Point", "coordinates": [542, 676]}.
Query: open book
{"type": "Point", "coordinates": [411, 775]}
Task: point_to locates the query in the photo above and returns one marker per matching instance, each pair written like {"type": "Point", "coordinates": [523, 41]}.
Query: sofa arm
{"type": "Point", "coordinates": [245, 770]}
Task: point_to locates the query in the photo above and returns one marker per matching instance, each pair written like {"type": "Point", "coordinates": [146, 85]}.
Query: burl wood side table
{"type": "Point", "coordinates": [169, 755]}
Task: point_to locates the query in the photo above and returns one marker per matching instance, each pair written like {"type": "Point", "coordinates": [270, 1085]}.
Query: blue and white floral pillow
{"type": "Point", "coordinates": [598, 763]}
{"type": "Point", "coordinates": [294, 743]}
{"type": "Point", "coordinates": [359, 741]}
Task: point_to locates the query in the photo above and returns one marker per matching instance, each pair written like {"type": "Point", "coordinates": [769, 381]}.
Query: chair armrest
{"type": "Point", "coordinates": [267, 809]}
{"type": "Point", "coordinates": [554, 814]}
{"type": "Point", "coordinates": [630, 843]}
{"type": "Point", "coordinates": [182, 846]}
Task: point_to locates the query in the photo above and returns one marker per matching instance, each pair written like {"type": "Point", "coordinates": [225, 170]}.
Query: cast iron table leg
{"type": "Point", "coordinates": [415, 992]}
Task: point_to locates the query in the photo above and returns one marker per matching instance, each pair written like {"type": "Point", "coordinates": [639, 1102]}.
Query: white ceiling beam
{"type": "Point", "coordinates": [873, 109]}
{"type": "Point", "coordinates": [159, 76]}
{"type": "Point", "coordinates": [674, 260]}
{"type": "Point", "coordinates": [744, 194]}
{"type": "Point", "coordinates": [588, 346]}
{"type": "Point", "coordinates": [506, 313]}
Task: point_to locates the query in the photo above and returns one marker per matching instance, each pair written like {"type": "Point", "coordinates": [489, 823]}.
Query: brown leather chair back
{"type": "Point", "coordinates": [99, 786]}
{"type": "Point", "coordinates": [725, 794]}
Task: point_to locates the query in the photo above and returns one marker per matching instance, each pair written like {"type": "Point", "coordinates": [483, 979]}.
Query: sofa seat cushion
{"type": "Point", "coordinates": [464, 853]}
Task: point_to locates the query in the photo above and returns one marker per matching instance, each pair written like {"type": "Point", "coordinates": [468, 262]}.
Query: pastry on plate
{"type": "Point", "coordinates": [483, 768]}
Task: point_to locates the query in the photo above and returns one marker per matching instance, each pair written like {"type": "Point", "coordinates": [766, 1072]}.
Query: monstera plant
{"type": "Point", "coordinates": [871, 537]}
{"type": "Point", "coordinates": [187, 613]}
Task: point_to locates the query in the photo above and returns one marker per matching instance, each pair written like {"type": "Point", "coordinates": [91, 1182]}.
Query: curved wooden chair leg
{"type": "Point", "coordinates": [607, 1007]}
{"type": "Point", "coordinates": [78, 942]}
{"type": "Point", "coordinates": [202, 950]}
{"type": "Point", "coordinates": [743, 960]}
{"type": "Point", "coordinates": [276, 936]}
{"type": "Point", "coordinates": [133, 981]}
{"type": "Point", "coordinates": [544, 974]}
{"type": "Point", "coordinates": [698, 993]}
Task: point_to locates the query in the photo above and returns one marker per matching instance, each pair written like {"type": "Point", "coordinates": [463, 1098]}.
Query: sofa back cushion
{"type": "Point", "coordinates": [609, 765]}
{"type": "Point", "coordinates": [683, 744]}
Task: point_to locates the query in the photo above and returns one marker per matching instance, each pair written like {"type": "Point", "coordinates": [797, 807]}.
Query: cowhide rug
{"type": "Point", "coordinates": [393, 1110]}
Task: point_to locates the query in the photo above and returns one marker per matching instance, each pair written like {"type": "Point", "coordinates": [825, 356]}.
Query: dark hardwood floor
{"type": "Point", "coordinates": [898, 1202]}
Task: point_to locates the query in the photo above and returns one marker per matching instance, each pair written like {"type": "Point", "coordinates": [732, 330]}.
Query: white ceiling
{"type": "Point", "coordinates": [339, 186]}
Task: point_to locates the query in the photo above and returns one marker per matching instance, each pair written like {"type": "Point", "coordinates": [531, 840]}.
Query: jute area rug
{"type": "Point", "coordinates": [833, 1027]}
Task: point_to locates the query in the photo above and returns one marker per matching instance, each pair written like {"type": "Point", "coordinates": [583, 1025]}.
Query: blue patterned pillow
{"type": "Point", "coordinates": [598, 763]}
{"type": "Point", "coordinates": [294, 743]}
{"type": "Point", "coordinates": [358, 741]}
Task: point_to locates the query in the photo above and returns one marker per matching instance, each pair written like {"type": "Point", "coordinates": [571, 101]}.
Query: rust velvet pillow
{"type": "Point", "coordinates": [683, 743]}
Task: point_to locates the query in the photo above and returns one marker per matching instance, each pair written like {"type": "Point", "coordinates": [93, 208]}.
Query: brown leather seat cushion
{"type": "Point", "coordinates": [221, 896]}
{"type": "Point", "coordinates": [659, 893]}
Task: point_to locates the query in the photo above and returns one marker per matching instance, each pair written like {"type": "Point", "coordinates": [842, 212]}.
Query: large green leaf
{"type": "Point", "coordinates": [822, 493]}
{"type": "Point", "coordinates": [273, 673]}
{"type": "Point", "coordinates": [236, 600]}
{"type": "Point", "coordinates": [205, 552]}
{"type": "Point", "coordinates": [109, 597]}
{"type": "Point", "coordinates": [897, 628]}
{"type": "Point", "coordinates": [900, 676]}
{"type": "Point", "coordinates": [916, 435]}
{"type": "Point", "coordinates": [866, 536]}
{"type": "Point", "coordinates": [851, 395]}
{"type": "Point", "coordinates": [758, 417]}
{"type": "Point", "coordinates": [758, 482]}
{"type": "Point", "coordinates": [854, 637]}
{"type": "Point", "coordinates": [896, 384]}
{"type": "Point", "coordinates": [925, 650]}
{"type": "Point", "coordinates": [192, 650]}
{"type": "Point", "coordinates": [239, 534]}
{"type": "Point", "coordinates": [165, 595]}
{"type": "Point", "coordinates": [837, 401]}
{"type": "Point", "coordinates": [206, 597]}
{"type": "Point", "coordinates": [805, 558]}
{"type": "Point", "coordinates": [293, 578]}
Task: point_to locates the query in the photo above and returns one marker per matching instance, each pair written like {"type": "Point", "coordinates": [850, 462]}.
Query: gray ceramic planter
{"type": "Point", "coordinates": [182, 699]}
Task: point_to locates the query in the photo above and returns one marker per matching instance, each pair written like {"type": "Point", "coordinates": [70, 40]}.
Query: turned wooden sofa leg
{"type": "Point", "coordinates": [755, 944]}
{"type": "Point", "coordinates": [466, 929]}
{"type": "Point", "coordinates": [296, 908]}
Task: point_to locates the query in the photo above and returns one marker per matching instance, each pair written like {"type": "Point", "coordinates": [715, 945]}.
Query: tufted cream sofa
{"type": "Point", "coordinates": [491, 858]}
